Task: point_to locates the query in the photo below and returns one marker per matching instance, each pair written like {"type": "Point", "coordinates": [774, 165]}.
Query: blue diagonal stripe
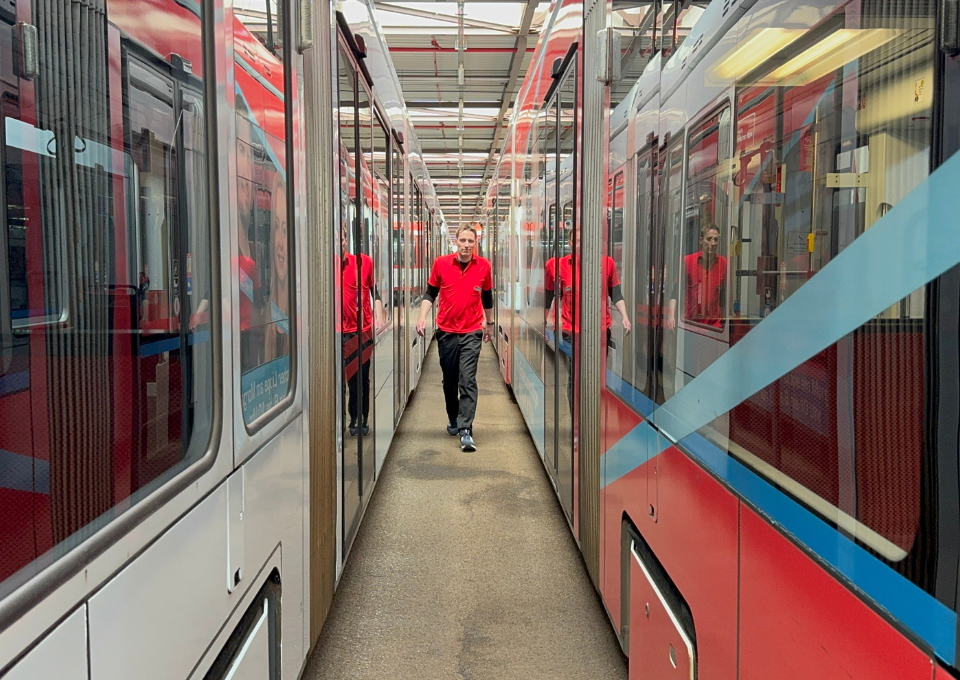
{"type": "Point", "coordinates": [912, 245]}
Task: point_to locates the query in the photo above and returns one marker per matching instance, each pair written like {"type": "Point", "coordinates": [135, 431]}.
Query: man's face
{"type": "Point", "coordinates": [466, 242]}
{"type": "Point", "coordinates": [571, 238]}
{"type": "Point", "coordinates": [709, 242]}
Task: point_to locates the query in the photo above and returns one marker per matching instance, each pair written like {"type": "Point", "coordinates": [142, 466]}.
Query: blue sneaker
{"type": "Point", "coordinates": [466, 441]}
{"type": "Point", "coordinates": [452, 429]}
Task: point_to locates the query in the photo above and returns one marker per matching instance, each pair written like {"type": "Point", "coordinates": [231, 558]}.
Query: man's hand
{"type": "Point", "coordinates": [422, 327]}
{"type": "Point", "coordinates": [626, 326]}
{"type": "Point", "coordinates": [487, 332]}
{"type": "Point", "coordinates": [669, 321]}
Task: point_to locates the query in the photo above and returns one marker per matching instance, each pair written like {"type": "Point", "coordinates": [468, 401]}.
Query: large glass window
{"type": "Point", "coordinates": [264, 237]}
{"type": "Point", "coordinates": [106, 359]}
{"type": "Point", "coordinates": [704, 273]}
{"type": "Point", "coordinates": [644, 272]}
{"type": "Point", "coordinates": [381, 228]}
{"type": "Point", "coordinates": [822, 149]}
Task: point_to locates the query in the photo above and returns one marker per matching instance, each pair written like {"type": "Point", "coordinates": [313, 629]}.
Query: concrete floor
{"type": "Point", "coordinates": [464, 566]}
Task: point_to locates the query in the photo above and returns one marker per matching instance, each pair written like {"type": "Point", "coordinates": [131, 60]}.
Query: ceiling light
{"type": "Point", "coordinates": [752, 52]}
{"type": "Point", "coordinates": [831, 53]}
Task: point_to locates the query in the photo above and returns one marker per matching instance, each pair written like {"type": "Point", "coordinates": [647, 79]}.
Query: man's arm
{"type": "Point", "coordinates": [425, 306]}
{"type": "Point", "coordinates": [670, 315]}
{"type": "Point", "coordinates": [616, 295]}
{"type": "Point", "coordinates": [486, 297]}
{"type": "Point", "coordinates": [379, 313]}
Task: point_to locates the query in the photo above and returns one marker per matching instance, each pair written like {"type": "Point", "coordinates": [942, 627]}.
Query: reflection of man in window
{"type": "Point", "coordinates": [705, 282]}
{"type": "Point", "coordinates": [569, 279]}
{"type": "Point", "coordinates": [359, 311]}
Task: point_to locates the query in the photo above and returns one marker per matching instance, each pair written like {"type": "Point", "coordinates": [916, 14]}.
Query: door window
{"type": "Point", "coordinates": [106, 351]}
{"type": "Point", "coordinates": [264, 251]}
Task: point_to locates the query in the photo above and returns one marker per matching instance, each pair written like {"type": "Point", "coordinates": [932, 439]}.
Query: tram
{"type": "Point", "coordinates": [762, 479]}
{"type": "Point", "coordinates": [197, 387]}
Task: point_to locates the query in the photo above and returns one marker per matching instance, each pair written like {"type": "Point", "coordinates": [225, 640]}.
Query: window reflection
{"type": "Point", "coordinates": [106, 366]}
{"type": "Point", "coordinates": [263, 233]}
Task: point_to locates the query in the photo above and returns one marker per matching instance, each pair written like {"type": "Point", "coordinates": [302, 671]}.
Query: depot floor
{"type": "Point", "coordinates": [464, 566]}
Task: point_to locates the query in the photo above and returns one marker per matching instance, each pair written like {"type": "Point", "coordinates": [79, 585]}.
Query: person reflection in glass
{"type": "Point", "coordinates": [705, 282]}
{"type": "Point", "coordinates": [277, 332]}
{"type": "Point", "coordinates": [569, 280]}
{"type": "Point", "coordinates": [357, 333]}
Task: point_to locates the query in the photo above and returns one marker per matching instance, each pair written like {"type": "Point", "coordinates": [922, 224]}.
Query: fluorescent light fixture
{"type": "Point", "coordinates": [831, 53]}
{"type": "Point", "coordinates": [752, 52]}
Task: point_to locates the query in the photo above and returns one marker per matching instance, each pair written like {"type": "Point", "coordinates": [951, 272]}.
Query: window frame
{"type": "Point", "coordinates": [696, 132]}
{"type": "Point", "coordinates": [290, 397]}
{"type": "Point", "coordinates": [380, 120]}
{"type": "Point", "coordinates": [49, 577]}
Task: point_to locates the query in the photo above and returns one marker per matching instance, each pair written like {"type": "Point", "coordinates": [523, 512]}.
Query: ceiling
{"type": "Point", "coordinates": [499, 38]}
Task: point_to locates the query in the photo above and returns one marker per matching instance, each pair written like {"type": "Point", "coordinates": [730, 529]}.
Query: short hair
{"type": "Point", "coordinates": [467, 227]}
{"type": "Point", "coordinates": [710, 226]}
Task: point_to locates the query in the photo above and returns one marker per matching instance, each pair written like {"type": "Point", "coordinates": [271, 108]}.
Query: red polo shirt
{"type": "Point", "coordinates": [704, 289]}
{"type": "Point", "coordinates": [459, 308]}
{"type": "Point", "coordinates": [570, 277]}
{"type": "Point", "coordinates": [348, 277]}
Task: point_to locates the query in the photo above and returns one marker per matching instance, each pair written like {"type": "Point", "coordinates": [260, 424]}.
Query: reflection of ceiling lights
{"type": "Point", "coordinates": [831, 53]}
{"type": "Point", "coordinates": [752, 52]}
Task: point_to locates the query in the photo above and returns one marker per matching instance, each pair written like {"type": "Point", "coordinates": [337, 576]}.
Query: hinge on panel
{"type": "Point", "coordinates": [26, 62]}
{"type": "Point", "coordinates": [235, 548]}
{"type": "Point", "coordinates": [949, 28]}
{"type": "Point", "coordinates": [847, 180]}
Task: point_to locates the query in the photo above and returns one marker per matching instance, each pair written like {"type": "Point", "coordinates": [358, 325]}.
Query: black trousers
{"type": "Point", "coordinates": [459, 354]}
{"type": "Point", "coordinates": [358, 384]}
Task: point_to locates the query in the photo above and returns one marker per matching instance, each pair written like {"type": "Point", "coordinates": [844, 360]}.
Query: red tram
{"type": "Point", "coordinates": [763, 479]}
{"type": "Point", "coordinates": [168, 301]}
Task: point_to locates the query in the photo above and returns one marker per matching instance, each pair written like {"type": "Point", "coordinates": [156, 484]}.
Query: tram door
{"type": "Point", "coordinates": [562, 277]}
{"type": "Point", "coordinates": [398, 297]}
{"type": "Point", "coordinates": [546, 187]}
{"type": "Point", "coordinates": [357, 286]}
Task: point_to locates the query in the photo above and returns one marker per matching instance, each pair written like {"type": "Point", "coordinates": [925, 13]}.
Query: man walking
{"type": "Point", "coordinates": [464, 321]}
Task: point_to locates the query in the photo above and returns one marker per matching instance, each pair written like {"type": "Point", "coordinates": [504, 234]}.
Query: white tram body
{"type": "Point", "coordinates": [179, 484]}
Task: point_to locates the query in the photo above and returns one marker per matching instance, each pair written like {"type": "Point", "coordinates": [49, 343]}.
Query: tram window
{"type": "Point", "coordinates": [615, 223]}
{"type": "Point", "coordinates": [396, 170]}
{"type": "Point", "coordinates": [704, 269]}
{"type": "Point", "coordinates": [643, 271]}
{"type": "Point", "coordinates": [106, 359]}
{"type": "Point", "coordinates": [264, 259]}
{"type": "Point", "coordinates": [821, 155]}
{"type": "Point", "coordinates": [381, 224]}
{"type": "Point", "coordinates": [673, 375]}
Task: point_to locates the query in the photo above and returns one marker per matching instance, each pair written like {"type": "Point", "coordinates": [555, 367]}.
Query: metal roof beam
{"type": "Point", "coordinates": [468, 104]}
{"type": "Point", "coordinates": [515, 63]}
{"type": "Point", "coordinates": [453, 50]}
{"type": "Point", "coordinates": [446, 18]}
{"type": "Point", "coordinates": [637, 40]}
{"type": "Point", "coordinates": [380, 3]}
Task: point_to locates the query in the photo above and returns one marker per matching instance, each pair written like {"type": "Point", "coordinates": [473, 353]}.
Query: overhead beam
{"type": "Point", "coordinates": [469, 50]}
{"type": "Point", "coordinates": [440, 148]}
{"type": "Point", "coordinates": [468, 104]}
{"type": "Point", "coordinates": [505, 101]}
{"type": "Point", "coordinates": [637, 40]}
{"type": "Point", "coordinates": [446, 18]}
